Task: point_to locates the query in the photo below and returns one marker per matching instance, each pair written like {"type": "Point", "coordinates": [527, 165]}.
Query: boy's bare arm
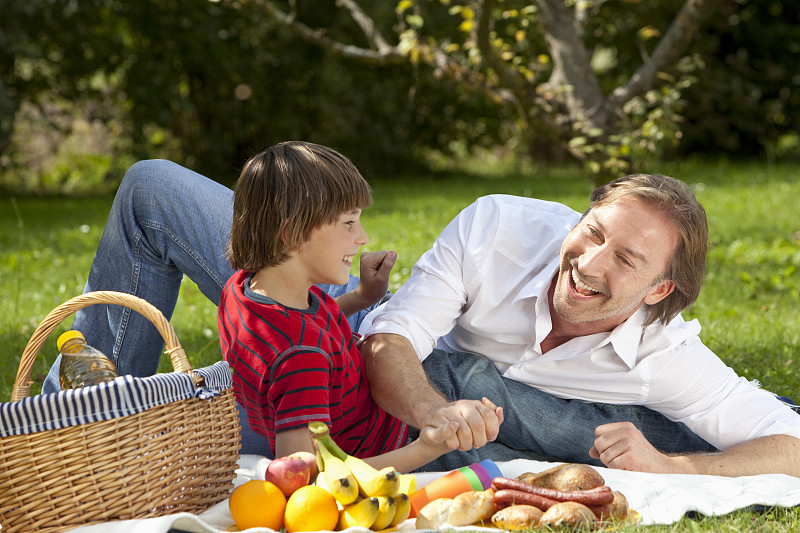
{"type": "Point", "coordinates": [374, 282]}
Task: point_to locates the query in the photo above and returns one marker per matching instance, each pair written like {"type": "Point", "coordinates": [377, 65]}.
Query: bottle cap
{"type": "Point", "coordinates": [68, 336]}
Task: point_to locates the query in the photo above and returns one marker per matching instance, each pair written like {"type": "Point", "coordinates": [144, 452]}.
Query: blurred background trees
{"type": "Point", "coordinates": [88, 86]}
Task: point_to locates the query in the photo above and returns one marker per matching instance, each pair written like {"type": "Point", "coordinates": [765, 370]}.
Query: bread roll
{"type": "Point", "coordinates": [463, 510]}
{"type": "Point", "coordinates": [517, 517]}
{"type": "Point", "coordinates": [568, 476]}
{"type": "Point", "coordinates": [568, 514]}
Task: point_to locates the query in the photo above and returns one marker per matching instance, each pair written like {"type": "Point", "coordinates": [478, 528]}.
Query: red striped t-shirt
{"type": "Point", "coordinates": [293, 366]}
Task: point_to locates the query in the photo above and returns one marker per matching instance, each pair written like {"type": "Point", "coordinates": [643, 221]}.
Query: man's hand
{"type": "Point", "coordinates": [478, 422]}
{"type": "Point", "coordinates": [374, 273]}
{"type": "Point", "coordinates": [622, 446]}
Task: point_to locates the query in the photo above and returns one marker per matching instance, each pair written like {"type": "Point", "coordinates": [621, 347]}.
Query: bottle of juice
{"type": "Point", "coordinates": [82, 365]}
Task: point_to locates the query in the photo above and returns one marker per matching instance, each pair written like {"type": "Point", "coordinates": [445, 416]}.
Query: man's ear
{"type": "Point", "coordinates": [659, 292]}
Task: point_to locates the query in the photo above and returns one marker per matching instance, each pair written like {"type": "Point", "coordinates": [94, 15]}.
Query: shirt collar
{"type": "Point", "coordinates": [627, 337]}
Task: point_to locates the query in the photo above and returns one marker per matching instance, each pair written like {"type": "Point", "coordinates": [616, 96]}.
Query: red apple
{"type": "Point", "coordinates": [288, 473]}
{"type": "Point", "coordinates": [311, 459]}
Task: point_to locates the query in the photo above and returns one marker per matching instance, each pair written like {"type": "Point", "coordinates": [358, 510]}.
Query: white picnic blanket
{"type": "Point", "coordinates": [658, 498]}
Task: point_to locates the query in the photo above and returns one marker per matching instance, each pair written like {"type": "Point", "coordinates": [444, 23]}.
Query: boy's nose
{"type": "Point", "coordinates": [362, 239]}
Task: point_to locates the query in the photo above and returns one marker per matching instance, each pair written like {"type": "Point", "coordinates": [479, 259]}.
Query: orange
{"type": "Point", "coordinates": [257, 503]}
{"type": "Point", "coordinates": [311, 508]}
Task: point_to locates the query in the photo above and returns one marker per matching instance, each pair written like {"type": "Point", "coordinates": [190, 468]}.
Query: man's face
{"type": "Point", "coordinates": [611, 264]}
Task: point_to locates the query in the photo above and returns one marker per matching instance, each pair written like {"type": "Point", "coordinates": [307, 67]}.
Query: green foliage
{"type": "Point", "coordinates": [747, 101]}
{"type": "Point", "coordinates": [209, 83]}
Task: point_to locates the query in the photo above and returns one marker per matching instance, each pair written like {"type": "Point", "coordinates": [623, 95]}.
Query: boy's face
{"type": "Point", "coordinates": [328, 253]}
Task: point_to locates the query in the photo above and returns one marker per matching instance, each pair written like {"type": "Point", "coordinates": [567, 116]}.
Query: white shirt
{"type": "Point", "coordinates": [483, 288]}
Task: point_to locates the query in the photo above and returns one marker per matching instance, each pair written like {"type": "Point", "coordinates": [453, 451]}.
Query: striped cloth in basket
{"type": "Point", "coordinates": [121, 397]}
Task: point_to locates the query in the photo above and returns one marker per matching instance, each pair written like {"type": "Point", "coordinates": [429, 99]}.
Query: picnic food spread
{"type": "Point", "coordinates": [332, 491]}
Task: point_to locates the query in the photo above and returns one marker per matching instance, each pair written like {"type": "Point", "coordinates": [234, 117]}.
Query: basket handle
{"type": "Point", "coordinates": [174, 350]}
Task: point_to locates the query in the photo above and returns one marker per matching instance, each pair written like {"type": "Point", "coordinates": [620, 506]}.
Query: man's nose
{"type": "Point", "coordinates": [593, 261]}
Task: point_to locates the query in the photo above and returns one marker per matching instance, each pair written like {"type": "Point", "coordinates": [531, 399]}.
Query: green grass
{"type": "Point", "coordinates": [749, 307]}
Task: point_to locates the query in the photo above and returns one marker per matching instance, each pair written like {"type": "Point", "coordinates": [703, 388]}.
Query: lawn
{"type": "Point", "coordinates": [749, 307]}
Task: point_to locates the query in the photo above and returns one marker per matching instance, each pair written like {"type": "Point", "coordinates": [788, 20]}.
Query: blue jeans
{"type": "Point", "coordinates": [165, 222]}
{"type": "Point", "coordinates": [538, 425]}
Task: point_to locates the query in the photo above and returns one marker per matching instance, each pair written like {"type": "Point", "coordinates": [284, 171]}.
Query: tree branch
{"type": "Point", "coordinates": [368, 27]}
{"type": "Point", "coordinates": [668, 50]}
{"type": "Point", "coordinates": [384, 55]}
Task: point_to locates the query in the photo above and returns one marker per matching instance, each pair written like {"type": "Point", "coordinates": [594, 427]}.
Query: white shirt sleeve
{"type": "Point", "coordinates": [712, 400]}
{"type": "Point", "coordinates": [428, 305]}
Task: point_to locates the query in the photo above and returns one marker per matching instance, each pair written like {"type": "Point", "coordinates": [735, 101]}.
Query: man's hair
{"type": "Point", "coordinates": [283, 194]}
{"type": "Point", "coordinates": [674, 200]}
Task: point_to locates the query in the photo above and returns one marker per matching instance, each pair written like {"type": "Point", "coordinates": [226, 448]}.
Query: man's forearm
{"type": "Point", "coordinates": [777, 454]}
{"type": "Point", "coordinates": [397, 379]}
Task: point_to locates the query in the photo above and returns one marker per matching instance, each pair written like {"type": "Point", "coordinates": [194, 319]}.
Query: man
{"type": "Point", "coordinates": [571, 324]}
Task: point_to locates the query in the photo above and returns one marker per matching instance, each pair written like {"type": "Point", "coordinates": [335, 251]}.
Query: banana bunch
{"type": "Point", "coordinates": [368, 497]}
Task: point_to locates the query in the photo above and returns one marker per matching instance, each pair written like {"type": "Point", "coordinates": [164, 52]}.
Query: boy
{"type": "Point", "coordinates": [294, 358]}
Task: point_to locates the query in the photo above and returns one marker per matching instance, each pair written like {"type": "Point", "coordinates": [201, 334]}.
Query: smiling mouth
{"type": "Point", "coordinates": [582, 288]}
{"type": "Point", "coordinates": [348, 259]}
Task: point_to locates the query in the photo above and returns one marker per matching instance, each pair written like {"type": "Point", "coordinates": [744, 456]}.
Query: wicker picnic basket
{"type": "Point", "coordinates": [178, 456]}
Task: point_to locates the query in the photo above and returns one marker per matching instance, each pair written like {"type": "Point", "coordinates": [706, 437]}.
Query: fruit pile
{"type": "Point", "coordinates": [328, 491]}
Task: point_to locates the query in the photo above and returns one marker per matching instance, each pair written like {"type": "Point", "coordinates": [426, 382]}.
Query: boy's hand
{"type": "Point", "coordinates": [478, 422]}
{"type": "Point", "coordinates": [445, 434]}
{"type": "Point", "coordinates": [439, 440]}
{"type": "Point", "coordinates": [375, 270]}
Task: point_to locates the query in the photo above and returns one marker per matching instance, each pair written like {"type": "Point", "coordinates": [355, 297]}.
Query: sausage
{"type": "Point", "coordinates": [597, 496]}
{"type": "Point", "coordinates": [506, 497]}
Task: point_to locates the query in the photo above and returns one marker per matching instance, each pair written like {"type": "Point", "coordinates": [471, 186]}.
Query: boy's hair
{"type": "Point", "coordinates": [283, 194]}
{"type": "Point", "coordinates": [676, 201]}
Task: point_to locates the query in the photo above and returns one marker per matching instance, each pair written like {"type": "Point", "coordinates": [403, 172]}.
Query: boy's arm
{"type": "Point", "coordinates": [431, 444]}
{"type": "Point", "coordinates": [373, 284]}
{"type": "Point", "coordinates": [294, 440]}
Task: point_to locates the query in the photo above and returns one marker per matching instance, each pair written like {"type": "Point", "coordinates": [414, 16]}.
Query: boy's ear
{"type": "Point", "coordinates": [285, 233]}
{"type": "Point", "coordinates": [285, 239]}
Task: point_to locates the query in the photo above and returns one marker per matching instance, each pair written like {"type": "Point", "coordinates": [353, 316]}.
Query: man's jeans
{"type": "Point", "coordinates": [166, 222]}
{"type": "Point", "coordinates": [537, 425]}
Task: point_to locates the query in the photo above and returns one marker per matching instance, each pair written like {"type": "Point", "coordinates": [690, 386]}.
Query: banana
{"type": "Point", "coordinates": [340, 482]}
{"type": "Point", "coordinates": [373, 482]}
{"type": "Point", "coordinates": [387, 506]}
{"type": "Point", "coordinates": [360, 514]}
{"type": "Point", "coordinates": [408, 483]}
{"type": "Point", "coordinates": [402, 510]}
